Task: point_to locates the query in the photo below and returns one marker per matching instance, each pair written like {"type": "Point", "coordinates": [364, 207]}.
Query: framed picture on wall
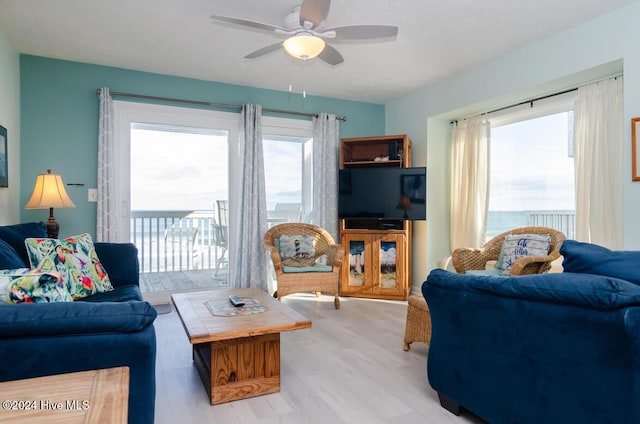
{"type": "Point", "coordinates": [4, 158]}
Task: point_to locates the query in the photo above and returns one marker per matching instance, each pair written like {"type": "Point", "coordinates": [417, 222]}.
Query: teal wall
{"type": "Point", "coordinates": [10, 119]}
{"type": "Point", "coordinates": [59, 120]}
{"type": "Point", "coordinates": [595, 49]}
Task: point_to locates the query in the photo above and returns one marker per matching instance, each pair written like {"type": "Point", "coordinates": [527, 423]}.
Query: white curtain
{"type": "Point", "coordinates": [325, 173]}
{"type": "Point", "coordinates": [598, 122]}
{"type": "Point", "coordinates": [249, 267]}
{"type": "Point", "coordinates": [107, 214]}
{"type": "Point", "coordinates": [470, 141]}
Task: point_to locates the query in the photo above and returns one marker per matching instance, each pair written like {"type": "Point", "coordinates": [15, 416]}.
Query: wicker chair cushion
{"type": "Point", "coordinates": [518, 245]}
{"type": "Point", "coordinates": [315, 268]}
{"type": "Point", "coordinates": [494, 271]}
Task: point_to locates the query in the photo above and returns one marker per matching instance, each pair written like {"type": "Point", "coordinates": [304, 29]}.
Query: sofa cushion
{"type": "Point", "coordinates": [126, 293]}
{"type": "Point", "coordinates": [67, 319]}
{"type": "Point", "coordinates": [24, 285]}
{"type": "Point", "coordinates": [586, 290]}
{"type": "Point", "coordinates": [593, 259]}
{"type": "Point", "coordinates": [120, 261]}
{"type": "Point", "coordinates": [9, 258]}
{"type": "Point", "coordinates": [299, 247]}
{"type": "Point", "coordinates": [15, 235]}
{"type": "Point", "coordinates": [516, 246]}
{"type": "Point", "coordinates": [75, 258]}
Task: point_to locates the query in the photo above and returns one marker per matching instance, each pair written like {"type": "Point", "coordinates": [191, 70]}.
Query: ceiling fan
{"type": "Point", "coordinates": [307, 31]}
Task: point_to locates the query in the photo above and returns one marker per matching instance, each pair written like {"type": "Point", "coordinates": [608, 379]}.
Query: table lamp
{"type": "Point", "coordinates": [49, 192]}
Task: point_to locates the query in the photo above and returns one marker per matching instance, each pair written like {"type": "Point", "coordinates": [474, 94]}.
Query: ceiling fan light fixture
{"type": "Point", "coordinates": [304, 46]}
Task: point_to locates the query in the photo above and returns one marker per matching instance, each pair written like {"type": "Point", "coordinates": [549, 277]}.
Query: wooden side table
{"type": "Point", "coordinates": [418, 327]}
{"type": "Point", "coordinates": [96, 396]}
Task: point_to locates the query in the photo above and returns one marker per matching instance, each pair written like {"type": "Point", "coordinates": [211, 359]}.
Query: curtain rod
{"type": "Point", "coordinates": [537, 99]}
{"type": "Point", "coordinates": [209, 104]}
{"type": "Point", "coordinates": [524, 102]}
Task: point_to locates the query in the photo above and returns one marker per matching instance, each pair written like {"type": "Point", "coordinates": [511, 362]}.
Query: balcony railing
{"type": "Point", "coordinates": [564, 221]}
{"type": "Point", "coordinates": [503, 221]}
{"type": "Point", "coordinates": [185, 240]}
{"type": "Point", "coordinates": [176, 241]}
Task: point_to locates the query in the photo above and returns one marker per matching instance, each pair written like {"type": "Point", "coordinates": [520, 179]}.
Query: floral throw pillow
{"type": "Point", "coordinates": [32, 286]}
{"type": "Point", "coordinates": [297, 250]}
{"type": "Point", "coordinates": [75, 258]}
{"type": "Point", "coordinates": [516, 246]}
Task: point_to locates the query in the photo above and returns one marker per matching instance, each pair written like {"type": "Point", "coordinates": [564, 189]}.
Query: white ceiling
{"type": "Point", "coordinates": [436, 38]}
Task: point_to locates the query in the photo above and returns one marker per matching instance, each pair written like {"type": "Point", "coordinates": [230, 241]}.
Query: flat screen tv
{"type": "Point", "coordinates": [382, 193]}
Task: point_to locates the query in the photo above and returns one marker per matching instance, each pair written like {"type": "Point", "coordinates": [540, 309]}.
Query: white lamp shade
{"type": "Point", "coordinates": [49, 192]}
{"type": "Point", "coordinates": [304, 46]}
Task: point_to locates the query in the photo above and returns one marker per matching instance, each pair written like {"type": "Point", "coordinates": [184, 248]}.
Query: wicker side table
{"type": "Point", "coordinates": [418, 328]}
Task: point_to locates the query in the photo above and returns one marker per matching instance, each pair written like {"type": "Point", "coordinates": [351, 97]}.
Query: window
{"type": "Point", "coordinates": [532, 180]}
{"type": "Point", "coordinates": [287, 148]}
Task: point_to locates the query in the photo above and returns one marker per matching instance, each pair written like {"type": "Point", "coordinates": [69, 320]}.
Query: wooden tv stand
{"type": "Point", "coordinates": [377, 252]}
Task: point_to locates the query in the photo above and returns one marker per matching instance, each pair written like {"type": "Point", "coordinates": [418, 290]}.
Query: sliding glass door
{"type": "Point", "coordinates": [174, 178]}
{"type": "Point", "coordinates": [178, 186]}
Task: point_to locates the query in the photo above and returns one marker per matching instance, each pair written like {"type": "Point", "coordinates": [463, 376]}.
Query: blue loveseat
{"type": "Point", "coordinates": [548, 348]}
{"type": "Point", "coordinates": [103, 330]}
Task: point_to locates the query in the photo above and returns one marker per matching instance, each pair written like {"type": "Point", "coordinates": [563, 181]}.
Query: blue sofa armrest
{"type": "Point", "coordinates": [120, 260]}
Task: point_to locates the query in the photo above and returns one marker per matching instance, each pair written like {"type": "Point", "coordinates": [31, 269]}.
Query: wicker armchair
{"type": "Point", "coordinates": [465, 259]}
{"type": "Point", "coordinates": [297, 282]}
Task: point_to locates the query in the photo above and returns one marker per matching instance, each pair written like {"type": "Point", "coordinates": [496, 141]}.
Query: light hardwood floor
{"type": "Point", "coordinates": [348, 368]}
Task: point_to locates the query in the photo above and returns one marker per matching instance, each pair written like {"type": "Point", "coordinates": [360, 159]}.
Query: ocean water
{"type": "Point", "coordinates": [500, 221]}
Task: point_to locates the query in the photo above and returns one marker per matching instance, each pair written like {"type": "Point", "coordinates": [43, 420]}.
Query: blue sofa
{"type": "Point", "coordinates": [103, 330]}
{"type": "Point", "coordinates": [548, 348]}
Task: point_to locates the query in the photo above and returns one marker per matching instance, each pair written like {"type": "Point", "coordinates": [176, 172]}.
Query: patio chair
{"type": "Point", "coordinates": [221, 233]}
{"type": "Point", "coordinates": [469, 260]}
{"type": "Point", "coordinates": [179, 238]}
{"type": "Point", "coordinates": [305, 258]}
{"type": "Point", "coordinates": [288, 211]}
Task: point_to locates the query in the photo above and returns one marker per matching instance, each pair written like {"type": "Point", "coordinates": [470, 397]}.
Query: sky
{"type": "Point", "coordinates": [185, 171]}
{"type": "Point", "coordinates": [530, 166]}
{"type": "Point", "coordinates": [177, 171]}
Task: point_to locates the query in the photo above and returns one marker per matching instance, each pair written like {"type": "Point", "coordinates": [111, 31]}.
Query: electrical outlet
{"type": "Point", "coordinates": [93, 194]}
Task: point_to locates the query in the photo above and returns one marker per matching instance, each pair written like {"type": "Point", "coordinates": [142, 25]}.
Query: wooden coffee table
{"type": "Point", "coordinates": [236, 356]}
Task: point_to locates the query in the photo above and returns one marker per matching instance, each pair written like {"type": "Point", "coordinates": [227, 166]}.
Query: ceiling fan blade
{"type": "Point", "coordinates": [263, 51]}
{"type": "Point", "coordinates": [330, 55]}
{"type": "Point", "coordinates": [315, 11]}
{"type": "Point", "coordinates": [364, 32]}
{"type": "Point", "coordinates": [245, 22]}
